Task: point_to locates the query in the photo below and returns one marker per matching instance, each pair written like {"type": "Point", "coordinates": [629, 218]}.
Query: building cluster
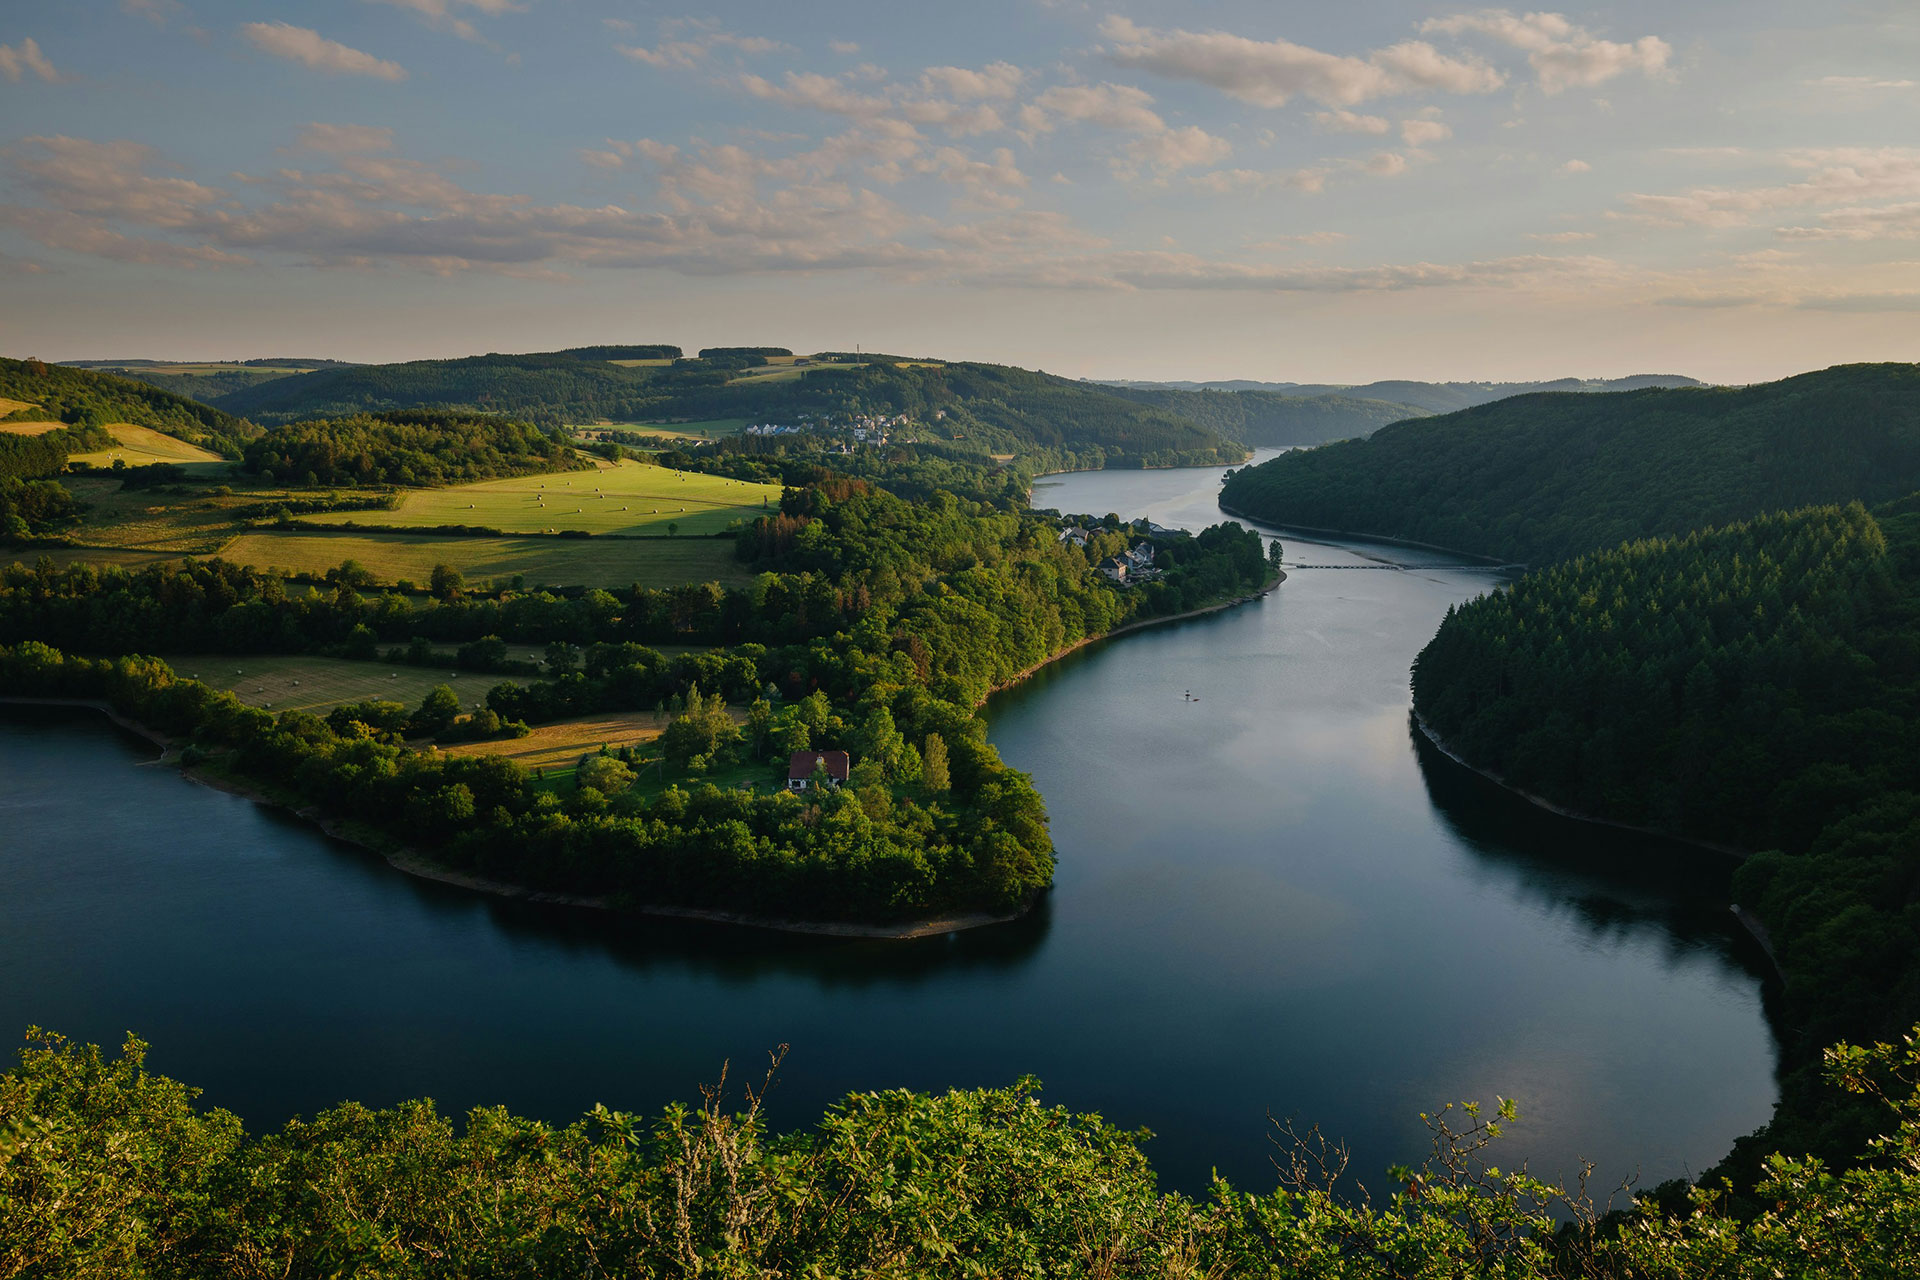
{"type": "Point", "coordinates": [1135, 564]}
{"type": "Point", "coordinates": [866, 428]}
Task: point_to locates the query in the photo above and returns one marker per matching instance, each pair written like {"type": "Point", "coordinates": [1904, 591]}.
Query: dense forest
{"type": "Point", "coordinates": [83, 398]}
{"type": "Point", "coordinates": [1756, 685]}
{"type": "Point", "coordinates": [987, 408]}
{"type": "Point", "coordinates": [877, 625]}
{"type": "Point", "coordinates": [1424, 397]}
{"type": "Point", "coordinates": [409, 447]}
{"type": "Point", "coordinates": [108, 1168]}
{"type": "Point", "coordinates": [1541, 478]}
{"type": "Point", "coordinates": [1264, 418]}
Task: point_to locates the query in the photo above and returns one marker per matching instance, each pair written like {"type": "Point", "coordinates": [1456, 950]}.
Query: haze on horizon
{"type": "Point", "coordinates": [1138, 190]}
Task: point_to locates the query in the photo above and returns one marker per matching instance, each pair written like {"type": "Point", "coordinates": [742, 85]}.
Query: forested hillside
{"type": "Point", "coordinates": [404, 448]}
{"type": "Point", "coordinates": [1266, 418]}
{"type": "Point", "coordinates": [108, 1168]}
{"type": "Point", "coordinates": [1756, 685]}
{"type": "Point", "coordinates": [1540, 478]}
{"type": "Point", "coordinates": [984, 408]}
{"type": "Point", "coordinates": [83, 398]}
{"type": "Point", "coordinates": [1426, 397]}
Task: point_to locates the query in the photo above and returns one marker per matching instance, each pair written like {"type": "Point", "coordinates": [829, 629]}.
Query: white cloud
{"type": "Point", "coordinates": [998, 80]}
{"type": "Point", "coordinates": [835, 96]}
{"type": "Point", "coordinates": [1385, 164]}
{"type": "Point", "coordinates": [1560, 237]}
{"type": "Point", "coordinates": [688, 52]}
{"type": "Point", "coordinates": [1576, 166]}
{"type": "Point", "coordinates": [1269, 73]}
{"type": "Point", "coordinates": [440, 13]}
{"type": "Point", "coordinates": [158, 12]}
{"type": "Point", "coordinates": [16, 61]}
{"type": "Point", "coordinates": [310, 48]}
{"type": "Point", "coordinates": [346, 139]}
{"type": "Point", "coordinates": [1110, 106]}
{"type": "Point", "coordinates": [1418, 133]}
{"type": "Point", "coordinates": [1562, 55]}
{"type": "Point", "coordinates": [1856, 83]}
{"type": "Point", "coordinates": [1835, 176]}
{"type": "Point", "coordinates": [1187, 147]}
{"type": "Point", "coordinates": [1350, 122]}
{"type": "Point", "coordinates": [847, 47]}
{"type": "Point", "coordinates": [1231, 181]}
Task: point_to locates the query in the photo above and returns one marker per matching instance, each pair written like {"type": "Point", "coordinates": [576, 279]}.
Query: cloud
{"type": "Point", "coordinates": [1168, 152]}
{"type": "Point", "coordinates": [1857, 83]}
{"type": "Point", "coordinates": [158, 12]}
{"type": "Point", "coordinates": [1576, 166]}
{"type": "Point", "coordinates": [1109, 106]}
{"type": "Point", "coordinates": [687, 53]}
{"type": "Point", "coordinates": [847, 47]}
{"type": "Point", "coordinates": [1886, 222]}
{"type": "Point", "coordinates": [1860, 302]}
{"type": "Point", "coordinates": [440, 13]}
{"type": "Point", "coordinates": [346, 139]}
{"type": "Point", "coordinates": [1349, 122]}
{"type": "Point", "coordinates": [1418, 133]}
{"type": "Point", "coordinates": [719, 210]}
{"type": "Point", "coordinates": [1315, 239]}
{"type": "Point", "coordinates": [1233, 181]}
{"type": "Point", "coordinates": [16, 61]}
{"type": "Point", "coordinates": [1270, 73]}
{"type": "Point", "coordinates": [1562, 55]}
{"type": "Point", "coordinates": [1835, 176]}
{"type": "Point", "coordinates": [310, 48]}
{"type": "Point", "coordinates": [914, 106]}
{"type": "Point", "coordinates": [998, 80]}
{"type": "Point", "coordinates": [1385, 164]}
{"type": "Point", "coordinates": [1560, 237]}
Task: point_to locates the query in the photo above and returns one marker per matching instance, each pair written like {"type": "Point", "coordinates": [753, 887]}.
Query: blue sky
{"type": "Point", "coordinates": [1289, 191]}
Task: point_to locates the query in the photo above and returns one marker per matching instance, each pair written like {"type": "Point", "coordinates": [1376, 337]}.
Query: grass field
{"type": "Point", "coordinates": [628, 497]}
{"type": "Point", "coordinates": [665, 432]}
{"type": "Point", "coordinates": [557, 562]}
{"type": "Point", "coordinates": [302, 682]}
{"type": "Point", "coordinates": [13, 406]}
{"type": "Point", "coordinates": [556, 748]}
{"type": "Point", "coordinates": [642, 364]}
{"type": "Point", "coordinates": [140, 446]}
{"type": "Point", "coordinates": [25, 428]}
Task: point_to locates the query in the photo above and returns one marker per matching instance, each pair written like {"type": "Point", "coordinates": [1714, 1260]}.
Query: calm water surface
{"type": "Point", "coordinates": [1269, 899]}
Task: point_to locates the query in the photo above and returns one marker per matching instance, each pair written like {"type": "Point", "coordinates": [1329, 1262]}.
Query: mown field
{"type": "Point", "coordinates": [556, 748]}
{"type": "Point", "coordinates": [557, 562]}
{"type": "Point", "coordinates": [666, 432]}
{"type": "Point", "coordinates": [302, 682]}
{"type": "Point", "coordinates": [628, 498]}
{"type": "Point", "coordinates": [139, 446]}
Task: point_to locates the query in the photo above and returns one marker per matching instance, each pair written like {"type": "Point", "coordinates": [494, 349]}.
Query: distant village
{"type": "Point", "coordinates": [1135, 564]}
{"type": "Point", "coordinates": [865, 428]}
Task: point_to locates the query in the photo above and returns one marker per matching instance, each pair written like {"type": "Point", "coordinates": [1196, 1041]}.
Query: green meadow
{"type": "Point", "coordinates": [628, 497]}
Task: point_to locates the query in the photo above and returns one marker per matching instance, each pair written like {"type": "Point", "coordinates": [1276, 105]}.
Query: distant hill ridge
{"type": "Point", "coordinates": [1546, 476]}
{"type": "Point", "coordinates": [1430, 397]}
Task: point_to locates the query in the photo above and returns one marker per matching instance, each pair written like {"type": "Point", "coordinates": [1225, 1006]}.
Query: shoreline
{"type": "Point", "coordinates": [1020, 676]}
{"type": "Point", "coordinates": [414, 862]}
{"type": "Point", "coordinates": [1492, 561]}
{"type": "Point", "coordinates": [1748, 921]}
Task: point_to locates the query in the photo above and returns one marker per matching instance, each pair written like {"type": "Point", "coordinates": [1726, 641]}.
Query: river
{"type": "Point", "coordinates": [1270, 899]}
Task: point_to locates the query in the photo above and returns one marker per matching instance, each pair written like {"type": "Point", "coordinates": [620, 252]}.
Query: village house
{"type": "Point", "coordinates": [1115, 568]}
{"type": "Point", "coordinates": [803, 765]}
{"type": "Point", "coordinates": [1076, 535]}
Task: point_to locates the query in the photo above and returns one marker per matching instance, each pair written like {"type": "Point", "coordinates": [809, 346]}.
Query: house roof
{"type": "Point", "coordinates": [803, 764]}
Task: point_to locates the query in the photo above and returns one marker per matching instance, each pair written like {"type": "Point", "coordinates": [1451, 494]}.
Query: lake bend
{"type": "Point", "coordinates": [1272, 897]}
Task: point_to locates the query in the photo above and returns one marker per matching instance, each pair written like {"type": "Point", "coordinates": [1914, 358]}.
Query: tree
{"type": "Point", "coordinates": [437, 711]}
{"type": "Point", "coordinates": [605, 774]}
{"type": "Point", "coordinates": [445, 582]}
{"type": "Point", "coordinates": [933, 768]}
{"type": "Point", "coordinates": [562, 658]}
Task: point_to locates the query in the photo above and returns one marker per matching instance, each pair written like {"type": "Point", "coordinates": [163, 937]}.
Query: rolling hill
{"type": "Point", "coordinates": [1546, 476]}
{"type": "Point", "coordinates": [979, 407]}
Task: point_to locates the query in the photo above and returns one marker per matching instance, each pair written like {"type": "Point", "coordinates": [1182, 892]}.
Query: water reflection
{"type": "Point", "coordinates": [1615, 884]}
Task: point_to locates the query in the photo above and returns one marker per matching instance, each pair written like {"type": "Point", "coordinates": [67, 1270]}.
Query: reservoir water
{"type": "Point", "coordinates": [1270, 899]}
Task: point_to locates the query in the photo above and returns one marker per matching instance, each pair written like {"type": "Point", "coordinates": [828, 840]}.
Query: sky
{"type": "Point", "coordinates": [1286, 191]}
